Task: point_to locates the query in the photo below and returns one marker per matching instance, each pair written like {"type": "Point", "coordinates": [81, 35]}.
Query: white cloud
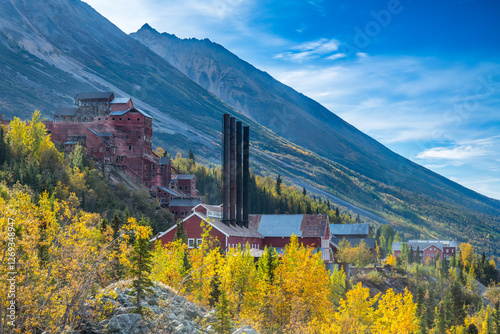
{"type": "Point", "coordinates": [321, 48]}
{"type": "Point", "coordinates": [456, 153]}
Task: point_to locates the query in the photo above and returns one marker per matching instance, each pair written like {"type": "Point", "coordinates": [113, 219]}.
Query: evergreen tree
{"type": "Point", "coordinates": [213, 296]}
{"type": "Point", "coordinates": [3, 147]}
{"type": "Point", "coordinates": [496, 317]}
{"type": "Point", "coordinates": [472, 329]}
{"type": "Point", "coordinates": [304, 191]}
{"type": "Point", "coordinates": [191, 156]}
{"type": "Point", "coordinates": [440, 321]}
{"type": "Point", "coordinates": [180, 232]}
{"type": "Point", "coordinates": [141, 268]}
{"type": "Point", "coordinates": [222, 324]}
{"type": "Point", "coordinates": [278, 185]}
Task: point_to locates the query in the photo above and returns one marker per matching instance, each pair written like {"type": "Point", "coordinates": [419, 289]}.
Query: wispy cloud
{"type": "Point", "coordinates": [321, 48]}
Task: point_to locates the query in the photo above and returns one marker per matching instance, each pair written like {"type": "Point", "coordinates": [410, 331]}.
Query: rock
{"type": "Point", "coordinates": [245, 330]}
{"type": "Point", "coordinates": [193, 314]}
{"type": "Point", "coordinates": [129, 321]}
{"type": "Point", "coordinates": [114, 325]}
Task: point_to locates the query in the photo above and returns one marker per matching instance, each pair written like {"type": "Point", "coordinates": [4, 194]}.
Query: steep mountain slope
{"type": "Point", "coordinates": [294, 116]}
{"type": "Point", "coordinates": [52, 49]}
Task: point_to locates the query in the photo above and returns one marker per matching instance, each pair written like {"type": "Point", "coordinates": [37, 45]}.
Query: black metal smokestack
{"type": "Point", "coordinates": [239, 174]}
{"type": "Point", "coordinates": [232, 166]}
{"type": "Point", "coordinates": [246, 174]}
{"type": "Point", "coordinates": [225, 169]}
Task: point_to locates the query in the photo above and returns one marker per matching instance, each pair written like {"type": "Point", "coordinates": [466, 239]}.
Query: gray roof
{"type": "Point", "coordinates": [66, 112]}
{"type": "Point", "coordinates": [235, 230]}
{"type": "Point", "coordinates": [120, 100]}
{"type": "Point", "coordinates": [170, 191]}
{"type": "Point", "coordinates": [185, 202]}
{"type": "Point", "coordinates": [123, 112]}
{"type": "Point", "coordinates": [182, 177]}
{"type": "Point", "coordinates": [286, 225]}
{"type": "Point", "coordinates": [164, 161]}
{"type": "Point", "coordinates": [349, 229]}
{"type": "Point", "coordinates": [423, 244]}
{"type": "Point", "coordinates": [103, 136]}
{"type": "Point", "coordinates": [370, 242]}
{"type": "Point", "coordinates": [94, 96]}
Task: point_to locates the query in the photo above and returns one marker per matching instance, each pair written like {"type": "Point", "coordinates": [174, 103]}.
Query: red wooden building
{"type": "Point", "coordinates": [428, 249]}
{"type": "Point", "coordinates": [263, 230]}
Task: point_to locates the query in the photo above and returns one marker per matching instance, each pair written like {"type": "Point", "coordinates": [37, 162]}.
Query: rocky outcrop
{"type": "Point", "coordinates": [164, 312]}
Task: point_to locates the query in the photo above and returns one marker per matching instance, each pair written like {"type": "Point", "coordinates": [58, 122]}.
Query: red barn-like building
{"type": "Point", "coordinates": [263, 230]}
{"type": "Point", "coordinates": [428, 249]}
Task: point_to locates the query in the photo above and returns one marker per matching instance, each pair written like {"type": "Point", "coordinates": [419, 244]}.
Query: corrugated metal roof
{"type": "Point", "coordinates": [185, 202]}
{"type": "Point", "coordinates": [286, 225]}
{"type": "Point", "coordinates": [170, 191]}
{"type": "Point", "coordinates": [370, 242]}
{"type": "Point", "coordinates": [182, 177]}
{"type": "Point", "coordinates": [423, 244]}
{"type": "Point", "coordinates": [235, 231]}
{"type": "Point", "coordinates": [103, 138]}
{"type": "Point", "coordinates": [120, 100]}
{"type": "Point", "coordinates": [349, 229]}
{"type": "Point", "coordinates": [164, 160]}
{"type": "Point", "coordinates": [94, 96]}
{"type": "Point", "coordinates": [123, 112]}
{"type": "Point", "coordinates": [66, 112]}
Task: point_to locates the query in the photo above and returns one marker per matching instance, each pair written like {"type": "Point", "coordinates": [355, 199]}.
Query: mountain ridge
{"type": "Point", "coordinates": [53, 49]}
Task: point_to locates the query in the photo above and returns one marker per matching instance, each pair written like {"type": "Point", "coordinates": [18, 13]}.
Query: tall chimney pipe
{"type": "Point", "coordinates": [239, 174]}
{"type": "Point", "coordinates": [246, 174]}
{"type": "Point", "coordinates": [225, 169]}
{"type": "Point", "coordinates": [232, 166]}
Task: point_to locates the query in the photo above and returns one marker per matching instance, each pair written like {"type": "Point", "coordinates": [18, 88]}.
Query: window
{"type": "Point", "coordinates": [146, 183]}
{"type": "Point", "coordinates": [198, 242]}
{"type": "Point", "coordinates": [162, 167]}
{"type": "Point", "coordinates": [153, 174]}
{"type": "Point", "coordinates": [105, 118]}
{"type": "Point", "coordinates": [153, 166]}
{"type": "Point", "coordinates": [147, 174]}
{"type": "Point", "coordinates": [112, 118]}
{"type": "Point", "coordinates": [185, 187]}
{"type": "Point", "coordinates": [98, 118]}
{"type": "Point", "coordinates": [120, 118]}
{"type": "Point", "coordinates": [146, 167]}
{"type": "Point", "coordinates": [126, 137]}
{"type": "Point", "coordinates": [138, 119]}
{"type": "Point", "coordinates": [130, 148]}
{"type": "Point", "coordinates": [138, 136]}
{"type": "Point", "coordinates": [190, 243]}
{"type": "Point", "coordinates": [128, 119]}
{"type": "Point", "coordinates": [100, 149]}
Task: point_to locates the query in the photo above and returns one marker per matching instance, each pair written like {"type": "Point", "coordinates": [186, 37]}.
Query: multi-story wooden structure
{"type": "Point", "coordinates": [428, 249]}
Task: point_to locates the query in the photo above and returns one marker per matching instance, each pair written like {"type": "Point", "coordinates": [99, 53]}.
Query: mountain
{"type": "Point", "coordinates": [52, 49]}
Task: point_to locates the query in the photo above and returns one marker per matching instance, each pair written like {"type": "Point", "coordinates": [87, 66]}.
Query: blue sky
{"type": "Point", "coordinates": [421, 77]}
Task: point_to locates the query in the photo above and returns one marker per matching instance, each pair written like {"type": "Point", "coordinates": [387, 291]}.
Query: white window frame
{"type": "Point", "coordinates": [191, 243]}
{"type": "Point", "coordinates": [198, 242]}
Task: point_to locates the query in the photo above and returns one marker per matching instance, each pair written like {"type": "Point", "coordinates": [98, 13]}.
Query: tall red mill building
{"type": "Point", "coordinates": [116, 133]}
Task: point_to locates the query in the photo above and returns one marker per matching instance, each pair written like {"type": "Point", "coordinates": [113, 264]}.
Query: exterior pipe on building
{"type": "Point", "coordinates": [225, 167]}
{"type": "Point", "coordinates": [246, 174]}
{"type": "Point", "coordinates": [232, 166]}
{"type": "Point", "coordinates": [239, 175]}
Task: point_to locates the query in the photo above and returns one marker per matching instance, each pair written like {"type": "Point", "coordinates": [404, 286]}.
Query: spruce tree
{"type": "Point", "coordinates": [141, 259]}
{"type": "Point", "coordinates": [222, 324]}
{"type": "Point", "coordinates": [278, 185]}
{"type": "Point", "coordinates": [180, 233]}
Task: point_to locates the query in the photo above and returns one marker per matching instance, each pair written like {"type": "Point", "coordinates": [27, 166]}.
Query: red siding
{"type": "Point", "coordinates": [283, 241]}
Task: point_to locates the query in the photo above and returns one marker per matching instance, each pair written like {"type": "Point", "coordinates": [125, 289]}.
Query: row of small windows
{"type": "Point", "coordinates": [119, 118]}
{"type": "Point", "coordinates": [255, 246]}
{"type": "Point", "coordinates": [183, 213]}
{"type": "Point", "coordinates": [180, 187]}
